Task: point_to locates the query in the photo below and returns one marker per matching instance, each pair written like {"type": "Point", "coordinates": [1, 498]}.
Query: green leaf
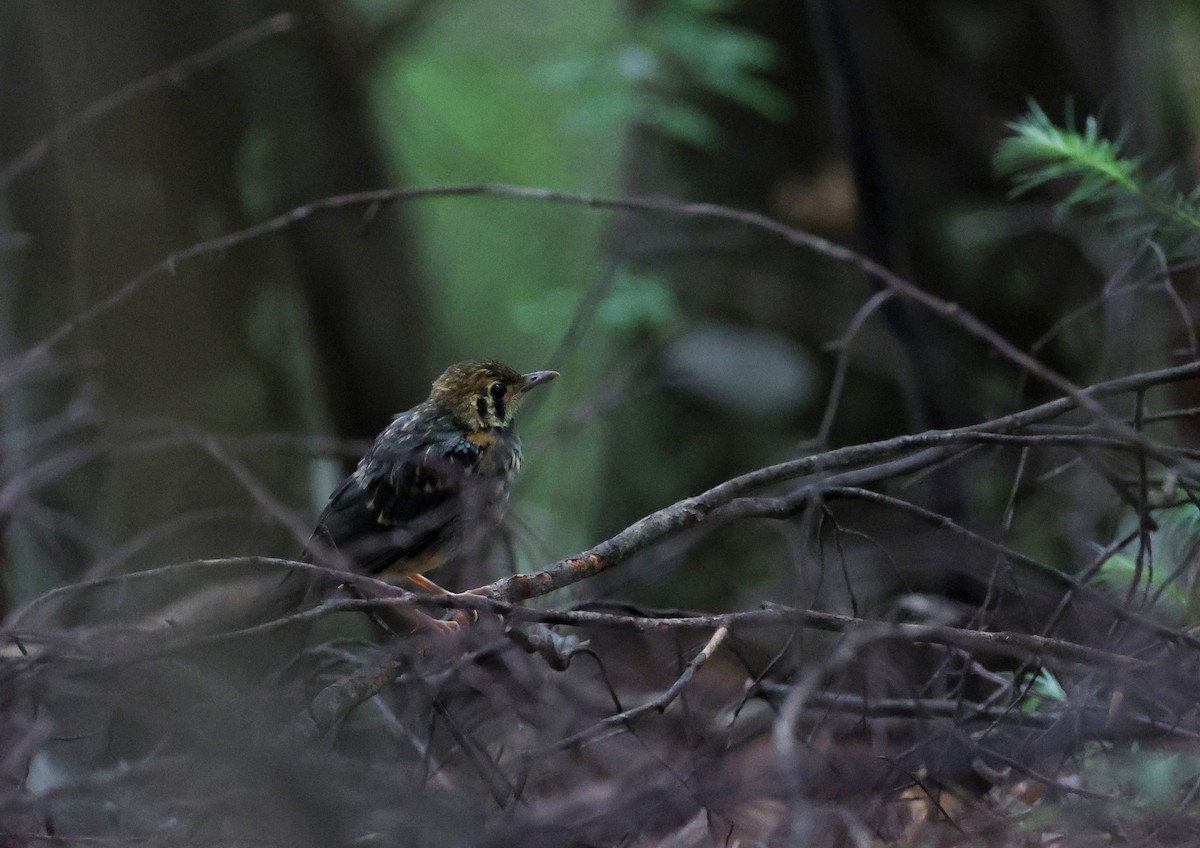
{"type": "Point", "coordinates": [1119, 571]}
{"type": "Point", "coordinates": [685, 123]}
{"type": "Point", "coordinates": [723, 60]}
{"type": "Point", "coordinates": [638, 302]}
{"type": "Point", "coordinates": [1043, 689]}
{"type": "Point", "coordinates": [1039, 152]}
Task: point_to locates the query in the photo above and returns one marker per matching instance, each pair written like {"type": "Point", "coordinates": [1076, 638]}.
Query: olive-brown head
{"type": "Point", "coordinates": [483, 394]}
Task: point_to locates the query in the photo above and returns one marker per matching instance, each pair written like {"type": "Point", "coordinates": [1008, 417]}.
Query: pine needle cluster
{"type": "Point", "coordinates": [1135, 206]}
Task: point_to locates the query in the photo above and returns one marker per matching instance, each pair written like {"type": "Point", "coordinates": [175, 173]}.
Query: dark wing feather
{"type": "Point", "coordinates": [396, 507]}
{"type": "Point", "coordinates": [422, 481]}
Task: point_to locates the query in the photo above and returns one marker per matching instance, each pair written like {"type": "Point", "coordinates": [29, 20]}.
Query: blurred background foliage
{"type": "Point", "coordinates": [690, 350]}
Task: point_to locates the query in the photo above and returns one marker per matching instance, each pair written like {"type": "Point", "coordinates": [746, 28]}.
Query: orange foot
{"type": "Point", "coordinates": [461, 617]}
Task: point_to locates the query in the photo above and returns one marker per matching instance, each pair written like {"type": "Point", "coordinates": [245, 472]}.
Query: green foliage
{"type": "Point", "coordinates": [715, 57]}
{"type": "Point", "coordinates": [1040, 152]}
{"type": "Point", "coordinates": [1168, 569]}
{"type": "Point", "coordinates": [666, 64]}
{"type": "Point", "coordinates": [1119, 573]}
{"type": "Point", "coordinates": [464, 103]}
{"type": "Point", "coordinates": [638, 302]}
{"type": "Point", "coordinates": [481, 95]}
{"type": "Point", "coordinates": [1135, 789]}
{"type": "Point", "coordinates": [1044, 689]}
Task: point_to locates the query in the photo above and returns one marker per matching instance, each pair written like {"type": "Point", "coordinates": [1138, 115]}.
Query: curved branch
{"type": "Point", "coordinates": [168, 76]}
{"type": "Point", "coordinates": [372, 200]}
{"type": "Point", "coordinates": [690, 512]}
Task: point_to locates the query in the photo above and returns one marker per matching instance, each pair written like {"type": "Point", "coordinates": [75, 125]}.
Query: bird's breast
{"type": "Point", "coordinates": [499, 452]}
{"type": "Point", "coordinates": [483, 439]}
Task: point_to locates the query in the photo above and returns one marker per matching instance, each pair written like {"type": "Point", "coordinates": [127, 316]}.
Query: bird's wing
{"type": "Point", "coordinates": [409, 487]}
{"type": "Point", "coordinates": [402, 505]}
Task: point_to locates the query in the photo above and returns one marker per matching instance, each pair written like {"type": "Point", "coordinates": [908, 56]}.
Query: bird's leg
{"type": "Point", "coordinates": [394, 620]}
{"type": "Point", "coordinates": [460, 617]}
{"type": "Point", "coordinates": [428, 585]}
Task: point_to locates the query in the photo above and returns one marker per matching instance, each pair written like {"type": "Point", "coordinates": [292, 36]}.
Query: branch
{"type": "Point", "coordinates": [168, 76]}
{"type": "Point", "coordinates": [1010, 644]}
{"type": "Point", "coordinates": [1005, 643]}
{"type": "Point", "coordinates": [1094, 720]}
{"type": "Point", "coordinates": [658, 704]}
{"type": "Point", "coordinates": [333, 703]}
{"type": "Point", "coordinates": [374, 199]}
{"type": "Point", "coordinates": [690, 512]}
{"type": "Point", "coordinates": [241, 563]}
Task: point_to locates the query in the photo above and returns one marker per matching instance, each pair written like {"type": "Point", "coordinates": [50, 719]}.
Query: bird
{"type": "Point", "coordinates": [433, 487]}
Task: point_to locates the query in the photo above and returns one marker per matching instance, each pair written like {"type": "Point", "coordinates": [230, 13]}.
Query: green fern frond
{"type": "Point", "coordinates": [1186, 209]}
{"type": "Point", "coordinates": [1039, 152]}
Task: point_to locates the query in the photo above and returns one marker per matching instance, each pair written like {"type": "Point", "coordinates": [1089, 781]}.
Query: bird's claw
{"type": "Point", "coordinates": [465, 617]}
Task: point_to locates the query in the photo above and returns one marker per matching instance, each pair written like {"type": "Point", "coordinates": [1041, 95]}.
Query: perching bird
{"type": "Point", "coordinates": [433, 487]}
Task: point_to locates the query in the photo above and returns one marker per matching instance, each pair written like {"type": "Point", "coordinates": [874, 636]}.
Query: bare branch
{"type": "Point", "coordinates": [172, 75]}
{"type": "Point", "coordinates": [691, 512]}
{"type": "Point", "coordinates": [657, 704]}
{"type": "Point", "coordinates": [946, 310]}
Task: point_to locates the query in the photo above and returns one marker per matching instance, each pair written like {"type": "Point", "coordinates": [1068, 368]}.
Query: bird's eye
{"type": "Point", "coordinates": [498, 390]}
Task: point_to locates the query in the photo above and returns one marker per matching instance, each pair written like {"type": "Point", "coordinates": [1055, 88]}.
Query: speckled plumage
{"type": "Point", "coordinates": [435, 482]}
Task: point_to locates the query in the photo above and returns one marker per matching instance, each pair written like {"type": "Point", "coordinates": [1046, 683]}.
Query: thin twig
{"type": "Point", "coordinates": [657, 704]}
{"type": "Point", "coordinates": [950, 312]}
{"type": "Point", "coordinates": [843, 347]}
{"type": "Point", "coordinates": [172, 75]}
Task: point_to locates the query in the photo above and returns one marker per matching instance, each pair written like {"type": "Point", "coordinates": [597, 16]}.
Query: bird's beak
{"type": "Point", "coordinates": [536, 378]}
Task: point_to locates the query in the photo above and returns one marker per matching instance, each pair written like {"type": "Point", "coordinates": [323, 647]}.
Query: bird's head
{"type": "Point", "coordinates": [484, 394]}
